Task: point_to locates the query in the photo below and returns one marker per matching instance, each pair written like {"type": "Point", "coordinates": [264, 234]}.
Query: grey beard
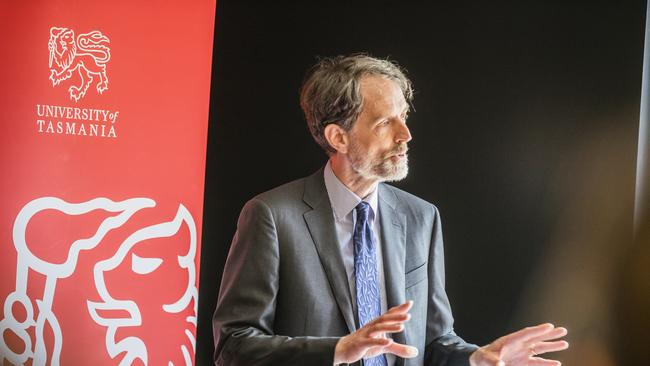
{"type": "Point", "coordinates": [394, 172]}
{"type": "Point", "coordinates": [386, 171]}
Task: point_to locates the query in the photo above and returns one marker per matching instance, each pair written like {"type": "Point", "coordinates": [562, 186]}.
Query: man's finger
{"type": "Point", "coordinates": [402, 308]}
{"type": "Point", "coordinates": [537, 361]}
{"type": "Point", "coordinates": [390, 319]}
{"type": "Point", "coordinates": [402, 350]}
{"type": "Point", "coordinates": [555, 333]}
{"type": "Point", "coordinates": [544, 347]}
{"type": "Point", "coordinates": [378, 329]}
{"type": "Point", "coordinates": [527, 333]}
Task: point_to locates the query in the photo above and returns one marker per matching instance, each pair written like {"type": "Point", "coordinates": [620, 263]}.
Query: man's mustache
{"type": "Point", "coordinates": [399, 149]}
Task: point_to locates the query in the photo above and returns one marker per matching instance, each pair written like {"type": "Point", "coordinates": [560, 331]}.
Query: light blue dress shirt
{"type": "Point", "coordinates": [343, 202]}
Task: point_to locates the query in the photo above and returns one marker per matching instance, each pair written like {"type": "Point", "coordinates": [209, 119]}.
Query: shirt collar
{"type": "Point", "coordinates": [343, 200]}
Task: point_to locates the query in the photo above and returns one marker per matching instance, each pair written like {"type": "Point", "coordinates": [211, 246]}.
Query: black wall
{"type": "Point", "coordinates": [513, 98]}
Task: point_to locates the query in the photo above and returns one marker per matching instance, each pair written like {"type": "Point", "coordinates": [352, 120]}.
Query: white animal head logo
{"type": "Point", "coordinates": [87, 54]}
{"type": "Point", "coordinates": [117, 311]}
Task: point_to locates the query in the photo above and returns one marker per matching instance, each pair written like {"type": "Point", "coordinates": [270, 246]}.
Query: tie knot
{"type": "Point", "coordinates": [363, 209]}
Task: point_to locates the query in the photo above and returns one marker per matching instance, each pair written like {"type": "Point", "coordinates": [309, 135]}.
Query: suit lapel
{"type": "Point", "coordinates": [393, 245]}
{"type": "Point", "coordinates": [320, 221]}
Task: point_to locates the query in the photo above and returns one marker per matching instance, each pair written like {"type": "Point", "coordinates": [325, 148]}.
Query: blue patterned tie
{"type": "Point", "coordinates": [365, 273]}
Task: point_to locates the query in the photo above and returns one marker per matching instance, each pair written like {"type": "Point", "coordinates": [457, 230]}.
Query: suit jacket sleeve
{"type": "Point", "coordinates": [443, 346]}
{"type": "Point", "coordinates": [243, 320]}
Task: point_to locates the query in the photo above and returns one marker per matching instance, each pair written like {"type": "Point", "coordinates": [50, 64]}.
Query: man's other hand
{"type": "Point", "coordinates": [522, 347]}
{"type": "Point", "coordinates": [371, 340]}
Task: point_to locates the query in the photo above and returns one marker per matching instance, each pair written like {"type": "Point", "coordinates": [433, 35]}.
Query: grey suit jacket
{"type": "Point", "coordinates": [285, 299]}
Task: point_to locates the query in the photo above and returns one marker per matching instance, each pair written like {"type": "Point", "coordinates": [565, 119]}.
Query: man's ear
{"type": "Point", "coordinates": [337, 138]}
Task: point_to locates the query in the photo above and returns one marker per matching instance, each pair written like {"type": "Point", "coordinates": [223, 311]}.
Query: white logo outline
{"type": "Point", "coordinates": [134, 347]}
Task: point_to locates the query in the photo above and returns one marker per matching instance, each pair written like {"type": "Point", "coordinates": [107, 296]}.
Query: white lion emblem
{"type": "Point", "coordinates": [87, 54]}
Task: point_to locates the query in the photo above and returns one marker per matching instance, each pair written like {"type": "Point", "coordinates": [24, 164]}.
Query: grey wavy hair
{"type": "Point", "coordinates": [331, 91]}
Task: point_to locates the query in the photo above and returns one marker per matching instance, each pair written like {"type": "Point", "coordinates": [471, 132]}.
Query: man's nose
{"type": "Point", "coordinates": [403, 133]}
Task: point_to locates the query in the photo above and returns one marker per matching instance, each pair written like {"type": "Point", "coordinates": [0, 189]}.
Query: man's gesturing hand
{"type": "Point", "coordinates": [370, 340]}
{"type": "Point", "coordinates": [522, 347]}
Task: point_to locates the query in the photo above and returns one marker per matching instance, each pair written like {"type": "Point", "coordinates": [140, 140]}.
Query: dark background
{"type": "Point", "coordinates": [524, 136]}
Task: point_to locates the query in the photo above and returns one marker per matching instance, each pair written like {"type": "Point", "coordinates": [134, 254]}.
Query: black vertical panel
{"type": "Point", "coordinates": [505, 90]}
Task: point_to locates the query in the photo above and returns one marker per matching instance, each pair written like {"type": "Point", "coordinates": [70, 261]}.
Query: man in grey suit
{"type": "Point", "coordinates": [339, 267]}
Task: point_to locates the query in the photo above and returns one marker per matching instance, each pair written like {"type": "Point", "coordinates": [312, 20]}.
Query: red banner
{"type": "Point", "coordinates": [103, 140]}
